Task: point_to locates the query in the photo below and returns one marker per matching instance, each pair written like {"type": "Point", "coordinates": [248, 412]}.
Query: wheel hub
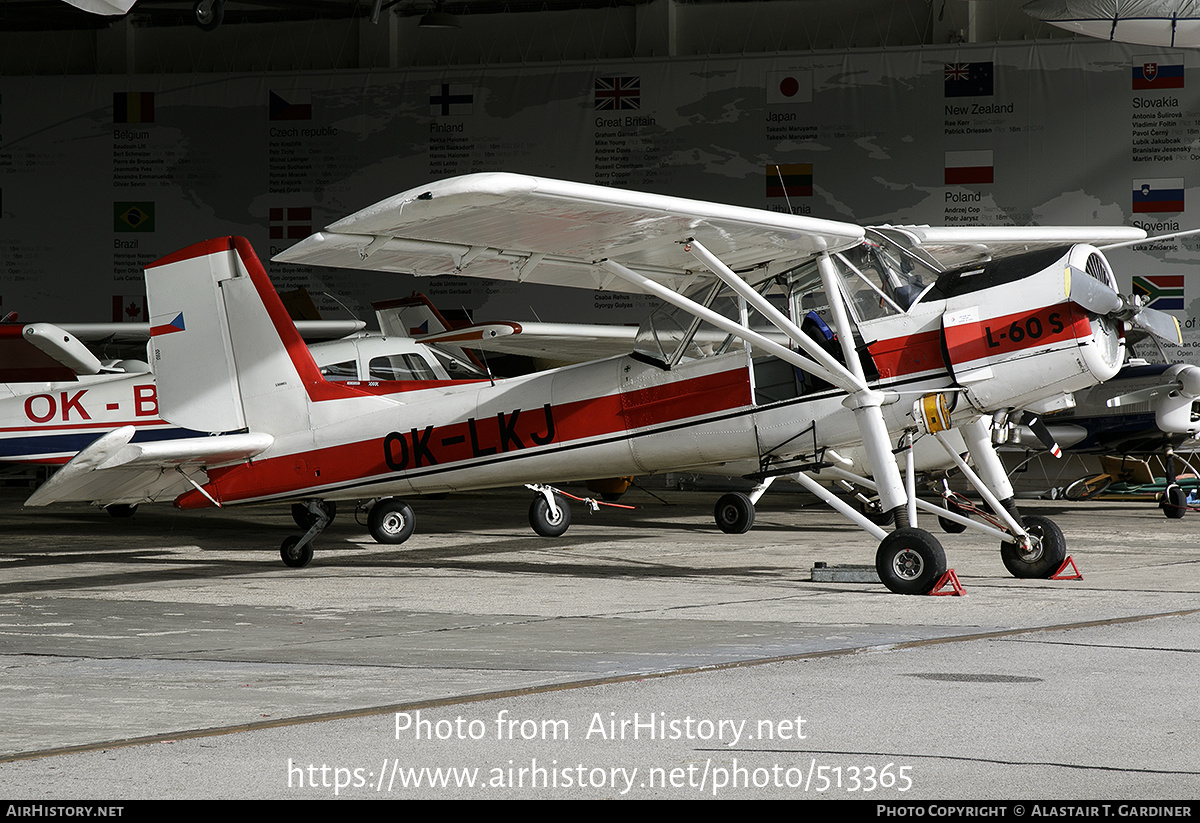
{"type": "Point", "coordinates": [908, 564]}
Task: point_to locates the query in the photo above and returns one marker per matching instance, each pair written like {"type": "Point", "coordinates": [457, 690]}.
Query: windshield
{"type": "Point", "coordinates": [881, 281]}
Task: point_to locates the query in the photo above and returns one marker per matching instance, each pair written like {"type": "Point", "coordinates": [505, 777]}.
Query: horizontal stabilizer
{"type": "Point", "coordinates": [41, 352]}
{"type": "Point", "coordinates": [113, 469]}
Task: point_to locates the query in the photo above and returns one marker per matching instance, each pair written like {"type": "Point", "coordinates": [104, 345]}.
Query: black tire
{"type": "Point", "coordinates": [910, 561]}
{"type": "Point", "coordinates": [391, 521]}
{"type": "Point", "coordinates": [1046, 559]}
{"type": "Point", "coordinates": [208, 13]}
{"type": "Point", "coordinates": [304, 518]}
{"type": "Point", "coordinates": [734, 513]}
{"type": "Point", "coordinates": [543, 522]}
{"type": "Point", "coordinates": [293, 557]}
{"type": "Point", "coordinates": [1085, 488]}
{"type": "Point", "coordinates": [1174, 502]}
{"type": "Point", "coordinates": [949, 526]}
{"type": "Point", "coordinates": [121, 509]}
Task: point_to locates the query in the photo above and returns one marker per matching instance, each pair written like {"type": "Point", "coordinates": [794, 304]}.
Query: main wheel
{"type": "Point", "coordinates": [950, 526]}
{"type": "Point", "coordinates": [910, 561]}
{"type": "Point", "coordinates": [121, 509]}
{"type": "Point", "coordinates": [292, 556]}
{"type": "Point", "coordinates": [391, 521]}
{"type": "Point", "coordinates": [1047, 554]}
{"type": "Point", "coordinates": [734, 513]}
{"type": "Point", "coordinates": [1174, 502]}
{"type": "Point", "coordinates": [304, 518]}
{"type": "Point", "coordinates": [544, 522]}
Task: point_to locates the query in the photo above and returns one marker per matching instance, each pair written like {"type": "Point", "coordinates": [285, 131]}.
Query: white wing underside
{"type": "Point", "coordinates": [956, 246]}
{"type": "Point", "coordinates": [536, 230]}
{"type": "Point", "coordinates": [114, 470]}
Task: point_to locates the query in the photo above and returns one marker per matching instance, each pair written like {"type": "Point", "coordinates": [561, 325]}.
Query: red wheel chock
{"type": "Point", "coordinates": [948, 579]}
{"type": "Point", "coordinates": [1062, 573]}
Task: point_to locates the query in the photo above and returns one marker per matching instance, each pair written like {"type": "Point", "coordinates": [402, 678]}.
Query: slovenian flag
{"type": "Point", "coordinates": [1161, 195]}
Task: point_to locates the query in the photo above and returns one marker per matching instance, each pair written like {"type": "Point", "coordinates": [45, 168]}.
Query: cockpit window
{"type": "Point", "coordinates": [457, 368]}
{"type": "Point", "coordinates": [340, 372]}
{"type": "Point", "coordinates": [882, 279]}
{"type": "Point", "coordinates": [670, 334]}
{"type": "Point", "coordinates": [401, 367]}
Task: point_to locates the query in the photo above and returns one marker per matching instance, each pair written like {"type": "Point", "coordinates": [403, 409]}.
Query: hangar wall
{"type": "Point", "coordinates": [103, 174]}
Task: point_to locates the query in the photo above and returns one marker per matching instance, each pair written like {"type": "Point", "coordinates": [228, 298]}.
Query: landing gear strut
{"type": "Point", "coordinates": [297, 550]}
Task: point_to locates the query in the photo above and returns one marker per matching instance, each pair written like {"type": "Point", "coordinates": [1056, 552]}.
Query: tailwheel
{"type": "Point", "coordinates": [294, 555]}
{"type": "Point", "coordinates": [734, 513]}
{"type": "Point", "coordinates": [1173, 503]}
{"type": "Point", "coordinates": [391, 521]}
{"type": "Point", "coordinates": [1045, 554]}
{"type": "Point", "coordinates": [546, 522]}
{"type": "Point", "coordinates": [910, 561]}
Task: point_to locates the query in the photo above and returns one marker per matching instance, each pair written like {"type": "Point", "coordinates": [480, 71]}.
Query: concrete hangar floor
{"type": "Point", "coordinates": [643, 654]}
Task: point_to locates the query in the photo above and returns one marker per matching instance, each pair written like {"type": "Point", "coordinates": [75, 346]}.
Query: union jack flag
{"type": "Point", "coordinates": [618, 93]}
{"type": "Point", "coordinates": [958, 71]}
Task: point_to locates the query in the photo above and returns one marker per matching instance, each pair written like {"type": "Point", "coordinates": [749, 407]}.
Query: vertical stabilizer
{"type": "Point", "coordinates": [226, 355]}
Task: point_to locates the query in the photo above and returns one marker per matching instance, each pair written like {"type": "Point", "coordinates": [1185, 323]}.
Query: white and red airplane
{"type": "Point", "coordinates": [893, 335]}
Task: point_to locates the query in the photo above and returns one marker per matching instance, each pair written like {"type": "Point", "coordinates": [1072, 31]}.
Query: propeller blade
{"type": "Point", "coordinates": [1042, 431]}
{"type": "Point", "coordinates": [1099, 298]}
{"type": "Point", "coordinates": [1139, 396]}
{"type": "Point", "coordinates": [1160, 324]}
{"type": "Point", "coordinates": [1094, 295]}
{"type": "Point", "coordinates": [1181, 377]}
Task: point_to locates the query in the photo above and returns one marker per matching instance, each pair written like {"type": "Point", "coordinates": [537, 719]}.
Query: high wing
{"type": "Point", "coordinates": [529, 229]}
{"type": "Point", "coordinates": [955, 246]}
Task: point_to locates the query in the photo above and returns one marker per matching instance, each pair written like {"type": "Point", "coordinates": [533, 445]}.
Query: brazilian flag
{"type": "Point", "coordinates": [129, 216]}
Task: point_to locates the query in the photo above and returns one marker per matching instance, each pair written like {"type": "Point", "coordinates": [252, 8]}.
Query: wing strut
{"type": "Point", "coordinates": [864, 401]}
{"type": "Point", "coordinates": [849, 381]}
{"type": "Point", "coordinates": [726, 325]}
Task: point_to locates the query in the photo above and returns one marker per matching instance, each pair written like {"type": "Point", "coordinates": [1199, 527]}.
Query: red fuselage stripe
{"type": "Point", "coordinates": [460, 442]}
